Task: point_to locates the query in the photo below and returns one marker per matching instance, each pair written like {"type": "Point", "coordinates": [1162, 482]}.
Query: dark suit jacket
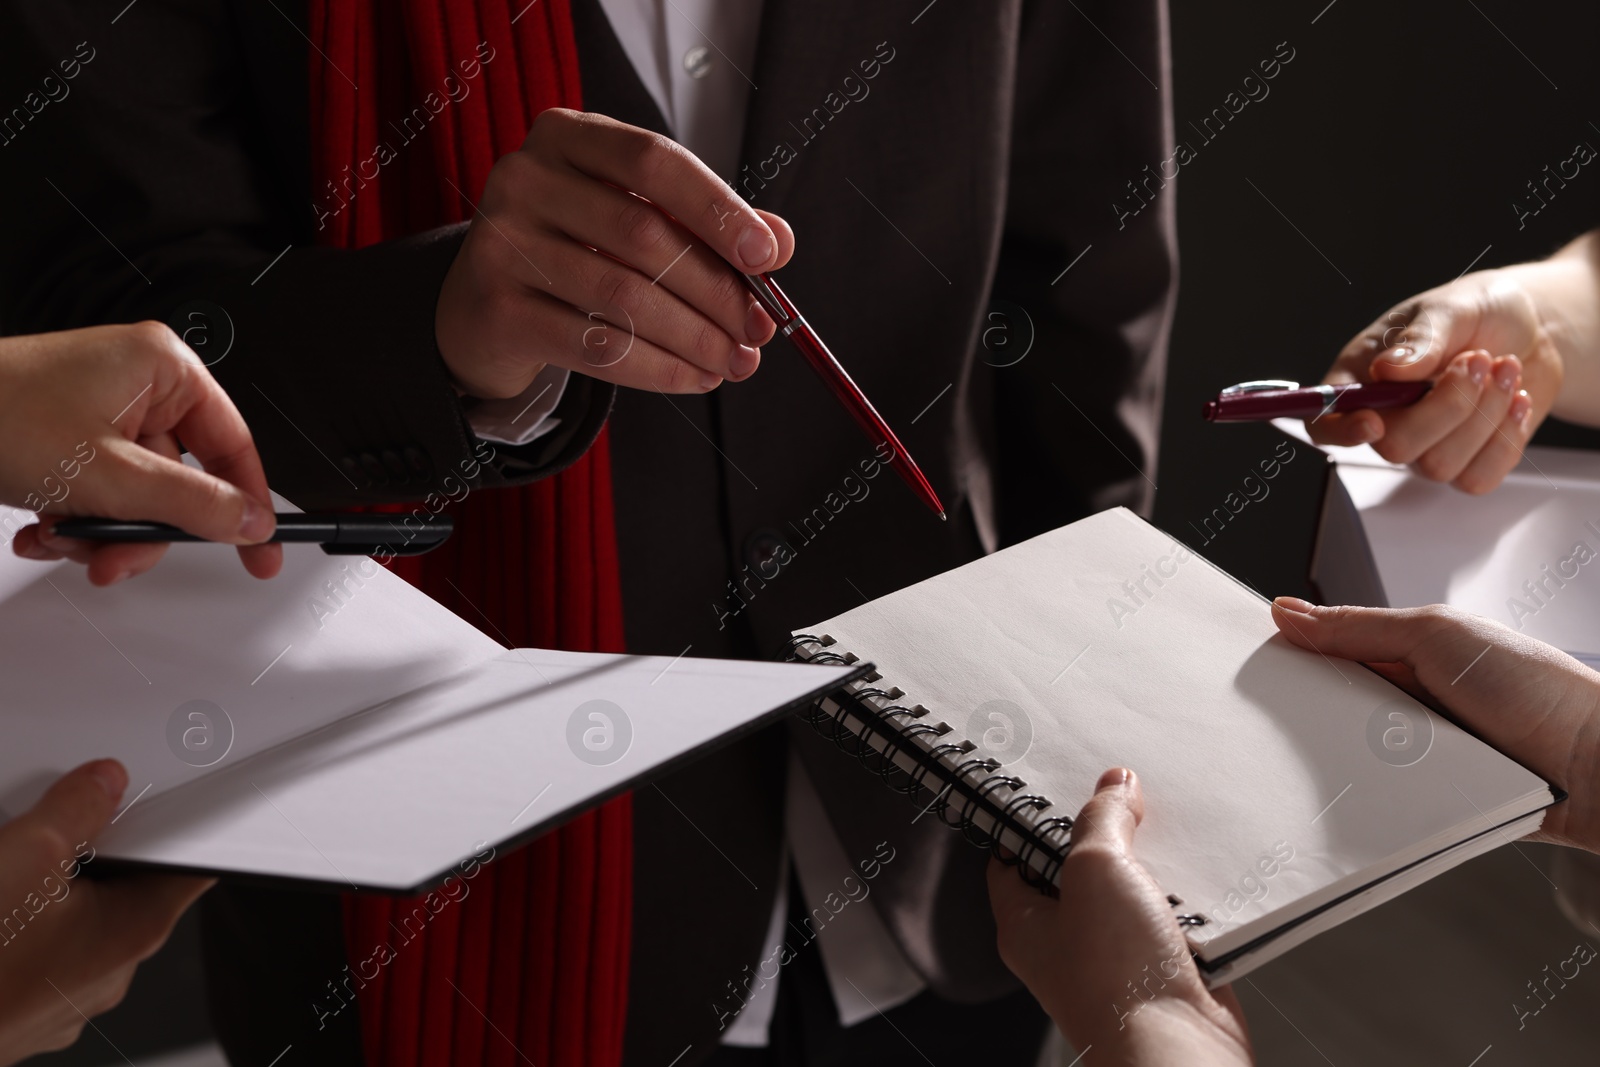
{"type": "Point", "coordinates": [938, 205]}
{"type": "Point", "coordinates": [175, 167]}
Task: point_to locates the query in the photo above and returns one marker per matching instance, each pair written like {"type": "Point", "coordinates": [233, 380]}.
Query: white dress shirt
{"type": "Point", "coordinates": [522, 418]}
{"type": "Point", "coordinates": [696, 58]}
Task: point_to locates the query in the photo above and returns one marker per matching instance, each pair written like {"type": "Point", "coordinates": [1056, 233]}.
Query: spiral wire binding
{"type": "Point", "coordinates": [1051, 837]}
{"type": "Point", "coordinates": [983, 838]}
{"type": "Point", "coordinates": [963, 821]}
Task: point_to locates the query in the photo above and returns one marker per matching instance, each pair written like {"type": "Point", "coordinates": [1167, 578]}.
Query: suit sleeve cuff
{"type": "Point", "coordinates": [520, 419]}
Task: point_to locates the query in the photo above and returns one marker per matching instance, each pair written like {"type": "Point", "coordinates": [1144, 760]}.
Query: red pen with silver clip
{"type": "Point", "coordinates": [1265, 400]}
{"type": "Point", "coordinates": [794, 326]}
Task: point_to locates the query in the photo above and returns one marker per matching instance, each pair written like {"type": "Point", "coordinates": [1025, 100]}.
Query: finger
{"type": "Point", "coordinates": [624, 296]}
{"type": "Point", "coordinates": [634, 231]}
{"type": "Point", "coordinates": [60, 547]}
{"type": "Point", "coordinates": [162, 443]}
{"type": "Point", "coordinates": [1225, 996]}
{"type": "Point", "coordinates": [1349, 428]}
{"type": "Point", "coordinates": [260, 560]}
{"type": "Point", "coordinates": [782, 231]}
{"type": "Point", "coordinates": [1419, 338]}
{"type": "Point", "coordinates": [1409, 432]}
{"type": "Point", "coordinates": [1503, 450]}
{"type": "Point", "coordinates": [1011, 898]}
{"type": "Point", "coordinates": [112, 562]}
{"type": "Point", "coordinates": [132, 482]}
{"type": "Point", "coordinates": [1367, 635]}
{"type": "Point", "coordinates": [116, 562]}
{"type": "Point", "coordinates": [1541, 382]}
{"type": "Point", "coordinates": [81, 801]}
{"type": "Point", "coordinates": [214, 432]}
{"type": "Point", "coordinates": [588, 343]}
{"type": "Point", "coordinates": [1411, 341]}
{"type": "Point", "coordinates": [39, 542]}
{"type": "Point", "coordinates": [669, 176]}
{"type": "Point", "coordinates": [1497, 381]}
{"type": "Point", "coordinates": [1109, 818]}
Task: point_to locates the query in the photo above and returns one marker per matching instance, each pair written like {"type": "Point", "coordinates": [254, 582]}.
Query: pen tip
{"type": "Point", "coordinates": [942, 517]}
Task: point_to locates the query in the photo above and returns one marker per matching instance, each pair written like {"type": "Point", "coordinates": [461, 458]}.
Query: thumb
{"type": "Point", "coordinates": [1111, 815]}
{"type": "Point", "coordinates": [1418, 340]}
{"type": "Point", "coordinates": [1367, 635]}
{"type": "Point", "coordinates": [79, 804]}
{"type": "Point", "coordinates": [141, 484]}
{"type": "Point", "coordinates": [783, 232]}
{"type": "Point", "coordinates": [1410, 342]}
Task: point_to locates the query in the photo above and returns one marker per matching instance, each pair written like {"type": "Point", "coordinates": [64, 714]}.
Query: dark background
{"type": "Point", "coordinates": [1396, 141]}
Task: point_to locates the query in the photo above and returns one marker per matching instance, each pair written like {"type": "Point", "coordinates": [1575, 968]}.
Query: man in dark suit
{"type": "Point", "coordinates": [957, 245]}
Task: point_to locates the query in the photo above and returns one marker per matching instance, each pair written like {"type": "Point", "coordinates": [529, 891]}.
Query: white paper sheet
{"type": "Point", "coordinates": [359, 733]}
{"type": "Point", "coordinates": [90, 672]}
{"type": "Point", "coordinates": [393, 797]}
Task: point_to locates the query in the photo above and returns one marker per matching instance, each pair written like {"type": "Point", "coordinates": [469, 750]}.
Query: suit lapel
{"type": "Point", "coordinates": [806, 49]}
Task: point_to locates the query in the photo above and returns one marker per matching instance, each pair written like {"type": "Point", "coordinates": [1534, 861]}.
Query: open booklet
{"type": "Point", "coordinates": [334, 725]}
{"type": "Point", "coordinates": [1285, 792]}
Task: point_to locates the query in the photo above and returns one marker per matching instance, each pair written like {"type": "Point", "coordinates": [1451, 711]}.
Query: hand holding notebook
{"type": "Point", "coordinates": [1287, 791]}
{"type": "Point", "coordinates": [1124, 984]}
{"type": "Point", "coordinates": [1536, 704]}
{"type": "Point", "coordinates": [1081, 972]}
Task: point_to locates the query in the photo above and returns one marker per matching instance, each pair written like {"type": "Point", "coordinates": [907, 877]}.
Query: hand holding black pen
{"type": "Point", "coordinates": [340, 533]}
{"type": "Point", "coordinates": [91, 422]}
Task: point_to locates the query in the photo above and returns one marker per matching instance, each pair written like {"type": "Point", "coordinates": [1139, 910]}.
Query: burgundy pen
{"type": "Point", "coordinates": [794, 326]}
{"type": "Point", "coordinates": [1261, 401]}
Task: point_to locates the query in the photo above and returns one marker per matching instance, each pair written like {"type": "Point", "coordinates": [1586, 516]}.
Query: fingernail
{"type": "Point", "coordinates": [1521, 408]}
{"type": "Point", "coordinates": [112, 778]}
{"type": "Point", "coordinates": [744, 362]}
{"type": "Point", "coordinates": [758, 325]}
{"type": "Point", "coordinates": [1116, 776]}
{"type": "Point", "coordinates": [256, 525]}
{"type": "Point", "coordinates": [35, 550]}
{"type": "Point", "coordinates": [48, 536]}
{"type": "Point", "coordinates": [1404, 356]}
{"type": "Point", "coordinates": [1506, 375]}
{"type": "Point", "coordinates": [1369, 432]}
{"type": "Point", "coordinates": [755, 248]}
{"type": "Point", "coordinates": [1478, 367]}
{"type": "Point", "coordinates": [120, 576]}
{"type": "Point", "coordinates": [709, 381]}
{"type": "Point", "coordinates": [1294, 604]}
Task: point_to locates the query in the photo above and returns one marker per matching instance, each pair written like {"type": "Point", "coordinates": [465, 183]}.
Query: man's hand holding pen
{"type": "Point", "coordinates": [609, 250]}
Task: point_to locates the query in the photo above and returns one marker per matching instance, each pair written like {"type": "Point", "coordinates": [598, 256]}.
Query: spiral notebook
{"type": "Point", "coordinates": [1285, 792]}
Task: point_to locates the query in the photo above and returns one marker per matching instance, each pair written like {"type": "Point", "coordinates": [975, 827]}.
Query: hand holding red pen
{"type": "Point", "coordinates": [611, 251]}
{"type": "Point", "coordinates": [1495, 368]}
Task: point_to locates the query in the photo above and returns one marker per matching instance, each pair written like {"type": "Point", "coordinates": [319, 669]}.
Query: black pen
{"type": "Point", "coordinates": [339, 533]}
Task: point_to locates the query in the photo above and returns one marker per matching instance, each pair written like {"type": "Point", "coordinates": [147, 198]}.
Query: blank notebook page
{"type": "Point", "coordinates": [1244, 742]}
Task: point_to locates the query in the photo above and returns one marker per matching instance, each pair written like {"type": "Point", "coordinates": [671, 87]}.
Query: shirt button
{"type": "Point", "coordinates": [697, 61]}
